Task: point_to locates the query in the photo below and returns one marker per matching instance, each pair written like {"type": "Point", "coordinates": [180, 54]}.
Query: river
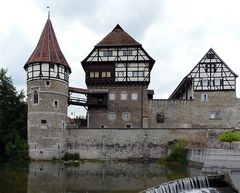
{"type": "Point", "coordinates": [87, 177]}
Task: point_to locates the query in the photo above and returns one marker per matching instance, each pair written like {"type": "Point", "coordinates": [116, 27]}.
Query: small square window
{"type": "Point", "coordinates": [160, 117]}
{"type": "Point", "coordinates": [111, 116]}
{"type": "Point", "coordinates": [126, 116]}
{"type": "Point", "coordinates": [204, 97]}
{"type": "Point", "coordinates": [124, 95]}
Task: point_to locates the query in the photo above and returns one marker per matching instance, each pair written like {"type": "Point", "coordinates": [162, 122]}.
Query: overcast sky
{"type": "Point", "coordinates": [176, 33]}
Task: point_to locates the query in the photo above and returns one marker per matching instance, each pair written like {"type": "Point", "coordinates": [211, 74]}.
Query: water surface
{"type": "Point", "coordinates": [87, 177]}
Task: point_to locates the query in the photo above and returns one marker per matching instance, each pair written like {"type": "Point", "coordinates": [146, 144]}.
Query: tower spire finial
{"type": "Point", "coordinates": [48, 12]}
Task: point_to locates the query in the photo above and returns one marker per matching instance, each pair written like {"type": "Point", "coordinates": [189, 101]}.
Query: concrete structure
{"type": "Point", "coordinates": [124, 121]}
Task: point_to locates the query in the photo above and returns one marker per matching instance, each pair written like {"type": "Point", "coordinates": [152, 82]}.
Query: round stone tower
{"type": "Point", "coordinates": [47, 92]}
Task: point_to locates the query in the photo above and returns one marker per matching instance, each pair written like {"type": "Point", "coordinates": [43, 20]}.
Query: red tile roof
{"type": "Point", "coordinates": [118, 37]}
{"type": "Point", "coordinates": [47, 49]}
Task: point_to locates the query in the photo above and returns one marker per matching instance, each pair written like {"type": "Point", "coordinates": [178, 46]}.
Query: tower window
{"type": "Point", "coordinates": [47, 83]}
{"type": "Point", "coordinates": [35, 96]}
{"type": "Point", "coordinates": [56, 104]}
{"type": "Point", "coordinates": [51, 67]}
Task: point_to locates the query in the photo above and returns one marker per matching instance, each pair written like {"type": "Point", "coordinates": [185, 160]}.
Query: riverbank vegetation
{"type": "Point", "coordinates": [13, 119]}
{"type": "Point", "coordinates": [177, 153]}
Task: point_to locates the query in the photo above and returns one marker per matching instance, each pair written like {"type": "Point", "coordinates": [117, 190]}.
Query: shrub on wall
{"type": "Point", "coordinates": [178, 152]}
{"type": "Point", "coordinates": [229, 136]}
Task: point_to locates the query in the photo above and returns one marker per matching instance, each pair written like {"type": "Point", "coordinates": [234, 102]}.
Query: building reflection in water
{"type": "Point", "coordinates": [56, 177]}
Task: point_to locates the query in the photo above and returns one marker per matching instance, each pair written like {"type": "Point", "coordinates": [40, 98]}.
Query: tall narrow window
{"type": "Point", "coordinates": [124, 95]}
{"type": "Point", "coordinates": [35, 96]}
{"type": "Point", "coordinates": [56, 104]}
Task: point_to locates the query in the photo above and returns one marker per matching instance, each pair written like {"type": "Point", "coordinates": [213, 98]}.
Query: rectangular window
{"type": "Point", "coordinates": [160, 117]}
{"type": "Point", "coordinates": [127, 52]}
{"type": "Point", "coordinates": [56, 104]}
{"type": "Point", "coordinates": [124, 95]}
{"type": "Point", "coordinates": [44, 121]}
{"type": "Point", "coordinates": [112, 96]}
{"type": "Point", "coordinates": [134, 96]}
{"type": "Point", "coordinates": [94, 74]}
{"type": "Point", "coordinates": [217, 82]}
{"type": "Point", "coordinates": [126, 116]}
{"type": "Point", "coordinates": [204, 97]}
{"type": "Point", "coordinates": [35, 96]}
{"type": "Point", "coordinates": [137, 73]}
{"type": "Point", "coordinates": [204, 82]}
{"type": "Point", "coordinates": [107, 53]}
{"type": "Point", "coordinates": [106, 74]}
{"type": "Point", "coordinates": [111, 116]}
{"type": "Point", "coordinates": [215, 115]}
{"type": "Point", "coordinates": [120, 74]}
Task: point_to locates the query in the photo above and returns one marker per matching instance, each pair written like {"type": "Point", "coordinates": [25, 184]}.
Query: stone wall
{"type": "Point", "coordinates": [110, 144]}
{"type": "Point", "coordinates": [197, 113]}
{"type": "Point", "coordinates": [137, 108]}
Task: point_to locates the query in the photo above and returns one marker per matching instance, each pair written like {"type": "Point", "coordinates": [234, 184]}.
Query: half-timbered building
{"type": "Point", "coordinates": [117, 77]}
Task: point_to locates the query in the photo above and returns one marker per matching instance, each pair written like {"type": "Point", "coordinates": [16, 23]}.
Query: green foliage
{"type": "Point", "coordinates": [13, 119]}
{"type": "Point", "coordinates": [178, 152]}
{"type": "Point", "coordinates": [229, 136]}
{"type": "Point", "coordinates": [71, 156]}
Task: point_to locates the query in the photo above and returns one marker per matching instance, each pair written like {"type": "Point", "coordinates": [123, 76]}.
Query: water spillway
{"type": "Point", "coordinates": [198, 184]}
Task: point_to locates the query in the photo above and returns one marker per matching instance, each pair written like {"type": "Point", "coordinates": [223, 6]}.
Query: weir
{"type": "Point", "coordinates": [199, 184]}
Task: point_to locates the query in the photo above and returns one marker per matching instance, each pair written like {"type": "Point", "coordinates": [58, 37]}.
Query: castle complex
{"type": "Point", "coordinates": [120, 107]}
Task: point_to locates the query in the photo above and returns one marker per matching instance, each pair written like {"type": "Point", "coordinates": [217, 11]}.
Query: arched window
{"type": "Point", "coordinates": [35, 96]}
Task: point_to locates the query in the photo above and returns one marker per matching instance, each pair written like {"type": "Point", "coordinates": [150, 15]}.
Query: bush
{"type": "Point", "coordinates": [229, 136]}
{"type": "Point", "coordinates": [178, 152]}
{"type": "Point", "coordinates": [71, 156]}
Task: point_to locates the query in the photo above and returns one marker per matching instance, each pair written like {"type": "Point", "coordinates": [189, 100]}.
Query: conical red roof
{"type": "Point", "coordinates": [118, 37]}
{"type": "Point", "coordinates": [47, 49]}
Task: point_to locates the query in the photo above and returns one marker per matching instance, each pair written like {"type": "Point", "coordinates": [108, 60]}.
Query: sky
{"type": "Point", "coordinates": [176, 33]}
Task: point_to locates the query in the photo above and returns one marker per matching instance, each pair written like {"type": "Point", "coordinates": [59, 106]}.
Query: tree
{"type": "Point", "coordinates": [13, 118]}
{"type": "Point", "coordinates": [229, 136]}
